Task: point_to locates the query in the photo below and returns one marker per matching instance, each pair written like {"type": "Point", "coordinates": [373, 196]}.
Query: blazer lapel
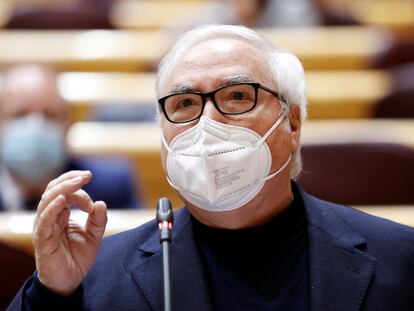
{"type": "Point", "coordinates": [339, 270]}
{"type": "Point", "coordinates": [189, 288]}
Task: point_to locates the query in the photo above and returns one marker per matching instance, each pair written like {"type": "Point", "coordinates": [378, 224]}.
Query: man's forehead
{"type": "Point", "coordinates": [27, 76]}
{"type": "Point", "coordinates": [226, 61]}
{"type": "Point", "coordinates": [220, 46]}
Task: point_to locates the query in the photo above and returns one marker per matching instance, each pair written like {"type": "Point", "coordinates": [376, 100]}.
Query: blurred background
{"type": "Point", "coordinates": [77, 92]}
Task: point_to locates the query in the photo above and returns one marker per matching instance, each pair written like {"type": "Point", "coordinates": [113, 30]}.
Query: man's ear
{"type": "Point", "coordinates": [295, 125]}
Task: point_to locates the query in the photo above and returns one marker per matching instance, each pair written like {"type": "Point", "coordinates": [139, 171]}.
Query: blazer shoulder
{"type": "Point", "coordinates": [370, 226]}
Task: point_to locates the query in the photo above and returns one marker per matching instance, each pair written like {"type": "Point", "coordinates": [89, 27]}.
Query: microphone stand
{"type": "Point", "coordinates": [165, 219]}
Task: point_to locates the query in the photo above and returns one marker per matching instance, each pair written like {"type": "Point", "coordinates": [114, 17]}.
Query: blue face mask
{"type": "Point", "coordinates": [33, 147]}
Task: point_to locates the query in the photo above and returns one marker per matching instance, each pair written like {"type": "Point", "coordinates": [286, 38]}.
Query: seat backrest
{"type": "Point", "coordinates": [83, 14]}
{"type": "Point", "coordinates": [359, 173]}
{"type": "Point", "coordinates": [15, 267]}
{"type": "Point", "coordinates": [396, 52]}
{"type": "Point", "coordinates": [399, 104]}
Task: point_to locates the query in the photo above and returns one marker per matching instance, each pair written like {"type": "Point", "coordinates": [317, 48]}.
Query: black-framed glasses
{"type": "Point", "coordinates": [230, 100]}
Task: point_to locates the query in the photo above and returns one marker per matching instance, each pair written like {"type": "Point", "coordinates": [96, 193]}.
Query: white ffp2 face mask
{"type": "Point", "coordinates": [219, 167]}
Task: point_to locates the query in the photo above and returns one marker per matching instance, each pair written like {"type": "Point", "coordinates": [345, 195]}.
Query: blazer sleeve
{"type": "Point", "coordinates": [33, 296]}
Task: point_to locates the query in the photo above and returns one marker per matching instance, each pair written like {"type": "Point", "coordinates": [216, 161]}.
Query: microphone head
{"type": "Point", "coordinates": [164, 211]}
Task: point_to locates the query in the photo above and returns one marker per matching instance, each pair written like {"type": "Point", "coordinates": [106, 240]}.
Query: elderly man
{"type": "Point", "coordinates": [33, 125]}
{"type": "Point", "coordinates": [248, 238]}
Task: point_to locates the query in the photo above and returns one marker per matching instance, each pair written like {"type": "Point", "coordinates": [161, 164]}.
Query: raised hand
{"type": "Point", "coordinates": [65, 251]}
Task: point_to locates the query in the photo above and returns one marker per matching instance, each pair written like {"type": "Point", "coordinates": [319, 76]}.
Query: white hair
{"type": "Point", "coordinates": [284, 67]}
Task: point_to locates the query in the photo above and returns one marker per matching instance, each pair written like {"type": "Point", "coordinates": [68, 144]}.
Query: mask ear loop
{"type": "Point", "coordinates": [272, 129]}
{"type": "Point", "coordinates": [269, 132]}
{"type": "Point", "coordinates": [165, 144]}
{"type": "Point", "coordinates": [280, 169]}
{"type": "Point", "coordinates": [171, 183]}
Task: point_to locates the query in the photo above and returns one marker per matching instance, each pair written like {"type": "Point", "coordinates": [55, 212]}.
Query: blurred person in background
{"type": "Point", "coordinates": [280, 13]}
{"type": "Point", "coordinates": [272, 13]}
{"type": "Point", "coordinates": [33, 126]}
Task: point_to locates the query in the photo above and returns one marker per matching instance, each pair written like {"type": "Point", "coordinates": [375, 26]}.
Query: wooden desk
{"type": "Point", "coordinates": [396, 16]}
{"type": "Point", "coordinates": [141, 144]}
{"type": "Point", "coordinates": [16, 229]}
{"type": "Point", "coordinates": [331, 94]}
{"type": "Point", "coordinates": [394, 13]}
{"type": "Point", "coordinates": [330, 47]}
{"type": "Point", "coordinates": [5, 12]}
{"type": "Point", "coordinates": [345, 94]}
{"type": "Point", "coordinates": [91, 50]}
{"type": "Point", "coordinates": [120, 50]}
{"type": "Point", "coordinates": [87, 91]}
{"type": "Point", "coordinates": [151, 15]}
{"type": "Point", "coordinates": [359, 131]}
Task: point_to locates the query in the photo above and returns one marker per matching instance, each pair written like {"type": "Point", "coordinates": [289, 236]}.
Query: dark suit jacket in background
{"type": "Point", "coordinates": [356, 262]}
{"type": "Point", "coordinates": [113, 181]}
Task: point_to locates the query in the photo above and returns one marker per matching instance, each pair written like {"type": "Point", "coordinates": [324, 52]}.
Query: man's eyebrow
{"type": "Point", "coordinates": [183, 89]}
{"type": "Point", "coordinates": [227, 81]}
{"type": "Point", "coordinates": [235, 80]}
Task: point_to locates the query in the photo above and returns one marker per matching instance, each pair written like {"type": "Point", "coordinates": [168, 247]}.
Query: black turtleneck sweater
{"type": "Point", "coordinates": [261, 268]}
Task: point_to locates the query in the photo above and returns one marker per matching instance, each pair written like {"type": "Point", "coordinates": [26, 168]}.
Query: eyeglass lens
{"type": "Point", "coordinates": [233, 99]}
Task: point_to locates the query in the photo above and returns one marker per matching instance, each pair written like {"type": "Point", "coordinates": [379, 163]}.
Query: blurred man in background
{"type": "Point", "coordinates": [34, 122]}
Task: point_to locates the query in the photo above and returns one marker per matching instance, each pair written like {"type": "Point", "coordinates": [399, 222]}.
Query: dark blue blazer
{"type": "Point", "coordinates": [112, 182]}
{"type": "Point", "coordinates": [356, 262]}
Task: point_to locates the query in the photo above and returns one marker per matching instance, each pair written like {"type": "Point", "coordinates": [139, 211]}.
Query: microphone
{"type": "Point", "coordinates": [165, 220]}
